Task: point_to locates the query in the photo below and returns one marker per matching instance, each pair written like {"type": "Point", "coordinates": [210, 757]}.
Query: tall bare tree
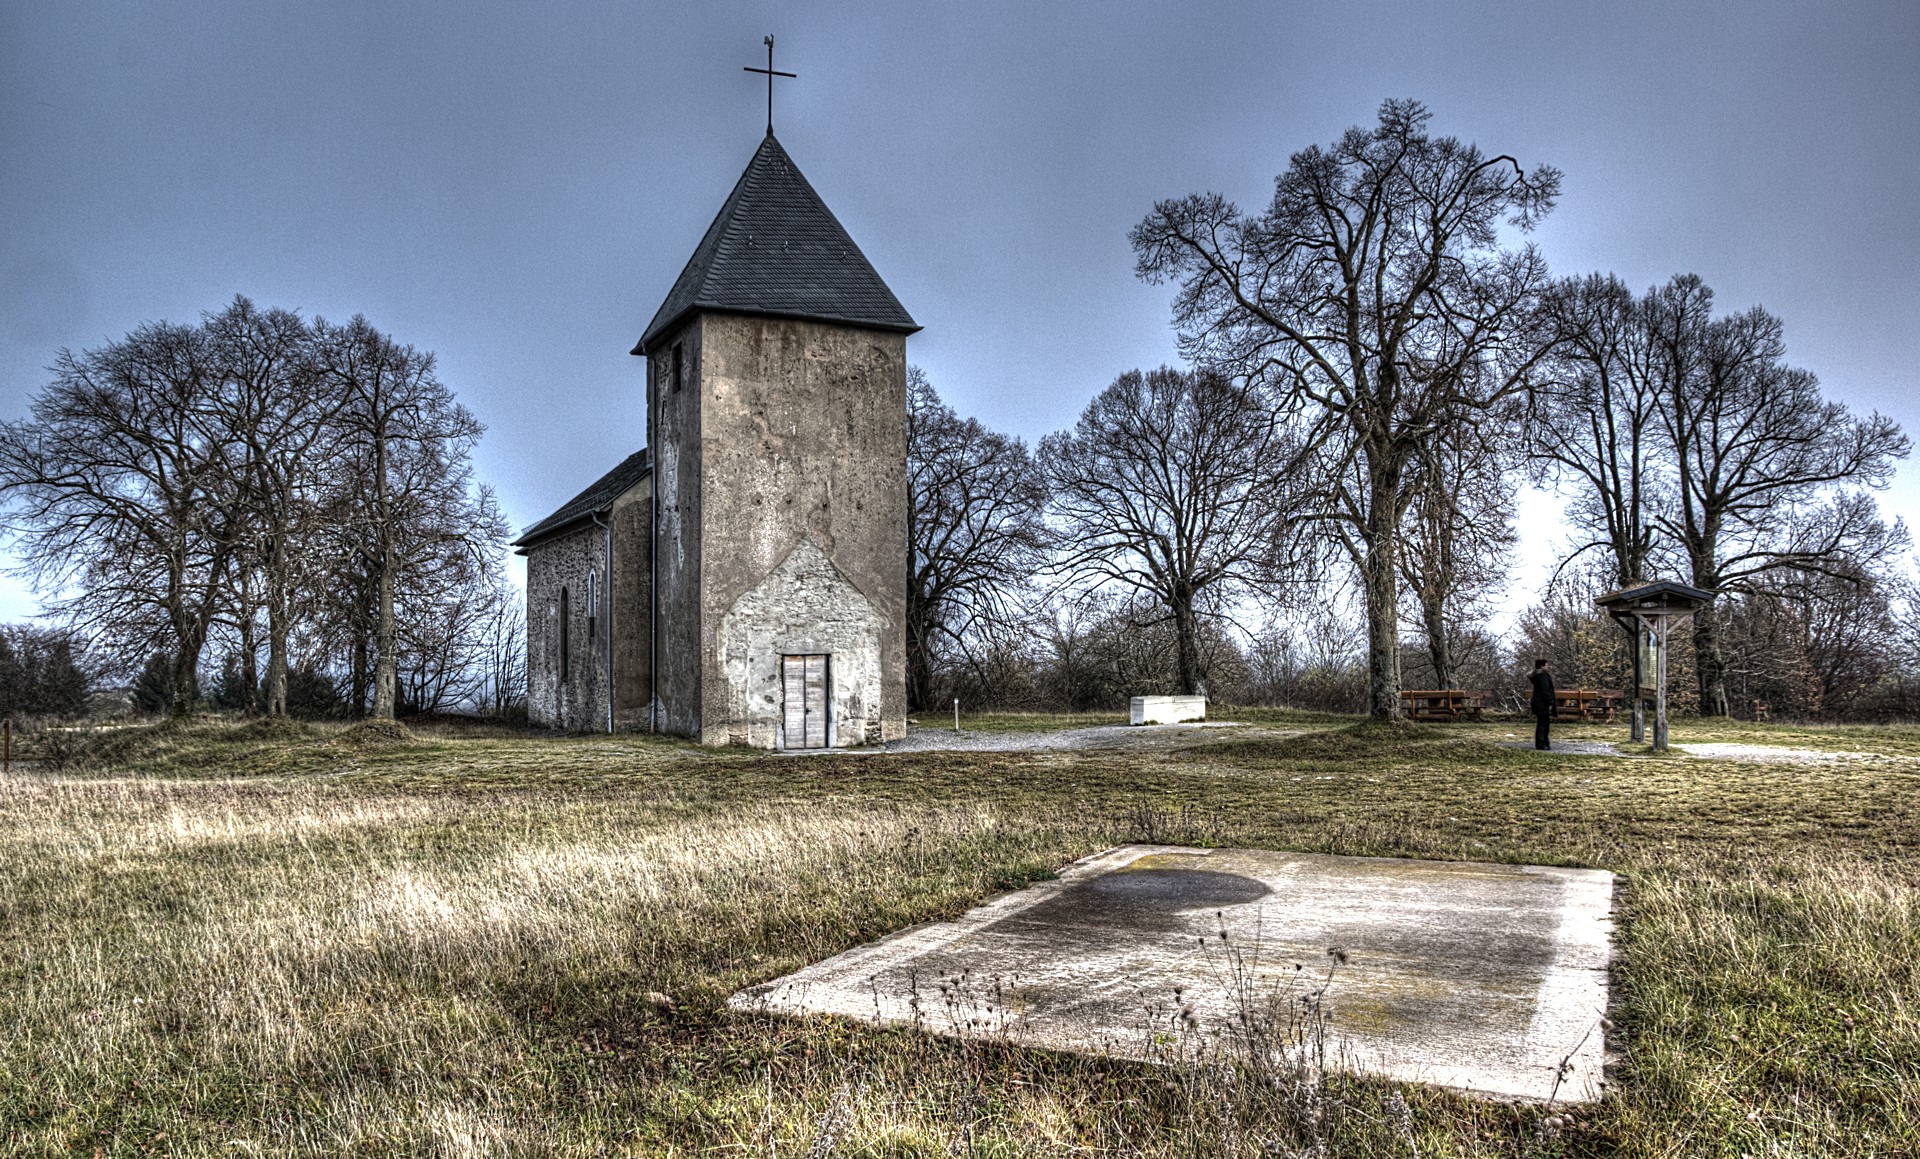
{"type": "Point", "coordinates": [411, 443]}
{"type": "Point", "coordinates": [1169, 485]}
{"type": "Point", "coordinates": [1765, 469]}
{"type": "Point", "coordinates": [976, 525]}
{"type": "Point", "coordinates": [1459, 533]}
{"type": "Point", "coordinates": [124, 497]}
{"type": "Point", "coordinates": [504, 665]}
{"type": "Point", "coordinates": [1594, 423]}
{"type": "Point", "coordinates": [283, 411]}
{"type": "Point", "coordinates": [187, 480]}
{"type": "Point", "coordinates": [1373, 300]}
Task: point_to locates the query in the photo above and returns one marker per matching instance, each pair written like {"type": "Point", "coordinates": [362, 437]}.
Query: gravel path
{"type": "Point", "coordinates": [1772, 754]}
{"type": "Point", "coordinates": [1754, 753]}
{"type": "Point", "coordinates": [1584, 748]}
{"type": "Point", "coordinates": [1174, 736]}
{"type": "Point", "coordinates": [1106, 736]}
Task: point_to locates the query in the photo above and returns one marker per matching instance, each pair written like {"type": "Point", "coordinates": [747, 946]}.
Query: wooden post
{"type": "Point", "coordinates": [1639, 680]}
{"type": "Point", "coordinates": [1660, 683]}
{"type": "Point", "coordinates": [1651, 609]}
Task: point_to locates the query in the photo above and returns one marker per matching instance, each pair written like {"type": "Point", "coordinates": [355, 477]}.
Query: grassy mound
{"type": "Point", "coordinates": [273, 728]}
{"type": "Point", "coordinates": [124, 747]}
{"type": "Point", "coordinates": [197, 746]}
{"type": "Point", "coordinates": [376, 733]}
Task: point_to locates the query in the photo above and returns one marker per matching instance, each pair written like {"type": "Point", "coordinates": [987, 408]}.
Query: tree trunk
{"type": "Point", "coordinates": [1186, 632]}
{"type": "Point", "coordinates": [385, 666]}
{"type": "Point", "coordinates": [919, 664]}
{"type": "Point", "coordinates": [358, 678]}
{"type": "Point", "coordinates": [249, 662]}
{"type": "Point", "coordinates": [1439, 646]}
{"type": "Point", "coordinates": [186, 668]}
{"type": "Point", "coordinates": [1709, 663]}
{"type": "Point", "coordinates": [1379, 578]}
{"type": "Point", "coordinates": [276, 662]}
{"type": "Point", "coordinates": [277, 628]}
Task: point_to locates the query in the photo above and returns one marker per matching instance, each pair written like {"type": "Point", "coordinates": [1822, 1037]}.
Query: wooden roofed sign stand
{"type": "Point", "coordinates": [1647, 612]}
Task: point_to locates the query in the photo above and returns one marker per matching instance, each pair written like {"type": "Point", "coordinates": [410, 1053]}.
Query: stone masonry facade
{"type": "Point", "coordinates": [800, 439]}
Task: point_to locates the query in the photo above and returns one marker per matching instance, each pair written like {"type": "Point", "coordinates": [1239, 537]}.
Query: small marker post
{"type": "Point", "coordinates": [956, 714]}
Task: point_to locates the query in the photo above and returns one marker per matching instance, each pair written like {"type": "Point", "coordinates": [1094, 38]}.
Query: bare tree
{"type": "Point", "coordinates": [445, 657]}
{"type": "Point", "coordinates": [1169, 486]}
{"type": "Point", "coordinates": [413, 443]}
{"type": "Point", "coordinates": [282, 411]}
{"type": "Point", "coordinates": [448, 596]}
{"type": "Point", "coordinates": [1594, 424]}
{"type": "Point", "coordinates": [123, 494]}
{"type": "Point", "coordinates": [189, 480]}
{"type": "Point", "coordinates": [1309, 660]}
{"type": "Point", "coordinates": [1814, 647]}
{"type": "Point", "coordinates": [504, 639]}
{"type": "Point", "coordinates": [1373, 300]}
{"type": "Point", "coordinates": [1458, 536]}
{"type": "Point", "coordinates": [975, 521]}
{"type": "Point", "coordinates": [1764, 467]}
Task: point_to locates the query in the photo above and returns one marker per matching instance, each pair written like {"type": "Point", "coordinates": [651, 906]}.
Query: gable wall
{"type": "Point", "coordinates": [802, 437]}
{"type": "Point", "coordinates": [630, 594]}
{"type": "Point", "coordinates": [577, 703]}
{"type": "Point", "coordinates": [674, 435]}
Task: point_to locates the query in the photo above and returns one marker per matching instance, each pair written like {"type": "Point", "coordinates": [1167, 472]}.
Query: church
{"type": "Point", "coordinates": [742, 579]}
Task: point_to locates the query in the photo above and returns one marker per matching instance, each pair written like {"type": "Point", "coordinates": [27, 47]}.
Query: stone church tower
{"type": "Point", "coordinates": [743, 579]}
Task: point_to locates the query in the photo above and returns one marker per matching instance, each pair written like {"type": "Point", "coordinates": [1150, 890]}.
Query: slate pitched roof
{"type": "Point", "coordinates": [776, 249]}
{"type": "Point", "coordinates": [595, 498]}
{"type": "Point", "coordinates": [1660, 591]}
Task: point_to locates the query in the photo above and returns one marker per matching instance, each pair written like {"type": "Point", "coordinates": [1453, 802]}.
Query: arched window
{"type": "Point", "coordinates": [593, 605]}
{"type": "Point", "coordinates": [566, 630]}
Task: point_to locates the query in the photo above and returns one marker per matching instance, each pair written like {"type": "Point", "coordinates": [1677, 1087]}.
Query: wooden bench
{"type": "Point", "coordinates": [1584, 703]}
{"type": "Point", "coordinates": [1445, 704]}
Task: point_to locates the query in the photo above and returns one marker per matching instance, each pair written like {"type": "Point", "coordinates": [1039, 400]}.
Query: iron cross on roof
{"type": "Point", "coordinates": [770, 74]}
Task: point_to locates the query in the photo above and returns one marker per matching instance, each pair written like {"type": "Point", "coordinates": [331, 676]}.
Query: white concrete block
{"type": "Point", "coordinates": [1168, 709]}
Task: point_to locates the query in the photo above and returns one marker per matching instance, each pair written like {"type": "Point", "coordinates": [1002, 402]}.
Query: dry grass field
{"type": "Point", "coordinates": [220, 940]}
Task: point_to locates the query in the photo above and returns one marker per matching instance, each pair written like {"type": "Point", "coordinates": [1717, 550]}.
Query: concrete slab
{"type": "Point", "coordinates": [1484, 978]}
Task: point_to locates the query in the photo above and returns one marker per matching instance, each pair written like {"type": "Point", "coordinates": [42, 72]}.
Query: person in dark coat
{"type": "Point", "coordinates": [1542, 703]}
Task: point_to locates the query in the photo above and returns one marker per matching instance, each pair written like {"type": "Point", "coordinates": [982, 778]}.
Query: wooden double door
{"type": "Point", "coordinates": [806, 707]}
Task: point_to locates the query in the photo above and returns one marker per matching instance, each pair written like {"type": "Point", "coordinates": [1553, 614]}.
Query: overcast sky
{"type": "Point", "coordinates": [514, 186]}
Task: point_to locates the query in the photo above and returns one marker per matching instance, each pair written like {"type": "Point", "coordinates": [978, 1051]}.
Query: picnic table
{"type": "Point", "coordinates": [1586, 703]}
{"type": "Point", "coordinates": [1445, 703]}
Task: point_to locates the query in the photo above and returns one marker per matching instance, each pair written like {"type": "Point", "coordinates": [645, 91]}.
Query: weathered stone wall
{"type": "Point", "coordinates": [629, 608]}
{"type": "Point", "coordinates": [577, 703]}
{"type": "Point", "coordinates": [806, 607]}
{"type": "Point", "coordinates": [674, 434]}
{"type": "Point", "coordinates": [802, 437]}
